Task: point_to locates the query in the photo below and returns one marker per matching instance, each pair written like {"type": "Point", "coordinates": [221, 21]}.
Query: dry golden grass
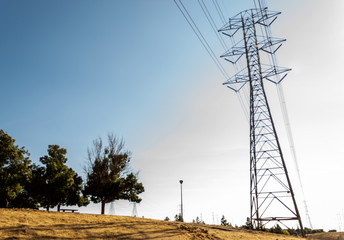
{"type": "Point", "coordinates": [34, 224]}
{"type": "Point", "coordinates": [328, 236]}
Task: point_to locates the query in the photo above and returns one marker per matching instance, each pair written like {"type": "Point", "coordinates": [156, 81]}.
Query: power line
{"type": "Point", "coordinates": [212, 24]}
{"type": "Point", "coordinates": [218, 9]}
{"type": "Point", "coordinates": [201, 38]}
{"type": "Point", "coordinates": [205, 44]}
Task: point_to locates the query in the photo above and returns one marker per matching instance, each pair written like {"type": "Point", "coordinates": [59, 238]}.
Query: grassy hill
{"type": "Point", "coordinates": [34, 224]}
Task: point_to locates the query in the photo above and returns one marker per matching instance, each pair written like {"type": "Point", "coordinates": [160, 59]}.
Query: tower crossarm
{"type": "Point", "coordinates": [263, 17]}
{"type": "Point", "coordinates": [268, 42]}
{"type": "Point", "coordinates": [264, 44]}
{"type": "Point", "coordinates": [269, 72]}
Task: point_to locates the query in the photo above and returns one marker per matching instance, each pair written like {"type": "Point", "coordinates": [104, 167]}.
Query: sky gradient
{"type": "Point", "coordinates": [72, 71]}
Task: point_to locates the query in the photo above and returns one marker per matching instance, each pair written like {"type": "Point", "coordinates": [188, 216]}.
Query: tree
{"type": "Point", "coordinates": [74, 193]}
{"type": "Point", "coordinates": [108, 173]}
{"type": "Point", "coordinates": [54, 184]}
{"type": "Point", "coordinates": [198, 221]}
{"type": "Point", "coordinates": [14, 169]}
{"type": "Point", "coordinates": [224, 221]}
{"type": "Point", "coordinates": [178, 218]}
{"type": "Point", "coordinates": [248, 224]}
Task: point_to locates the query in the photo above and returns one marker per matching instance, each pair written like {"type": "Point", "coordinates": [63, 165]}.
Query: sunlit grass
{"type": "Point", "coordinates": [35, 224]}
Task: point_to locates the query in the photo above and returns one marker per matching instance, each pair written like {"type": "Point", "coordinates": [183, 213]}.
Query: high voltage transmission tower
{"type": "Point", "coordinates": [134, 211]}
{"type": "Point", "coordinates": [271, 194]}
{"type": "Point", "coordinates": [272, 197]}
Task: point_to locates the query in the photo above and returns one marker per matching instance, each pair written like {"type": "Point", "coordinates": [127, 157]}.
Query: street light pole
{"type": "Point", "coordinates": [181, 199]}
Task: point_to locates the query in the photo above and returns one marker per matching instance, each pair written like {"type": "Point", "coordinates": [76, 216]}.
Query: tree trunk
{"type": "Point", "coordinates": [48, 208]}
{"type": "Point", "coordinates": [58, 207]}
{"type": "Point", "coordinates": [6, 202]}
{"type": "Point", "coordinates": [103, 207]}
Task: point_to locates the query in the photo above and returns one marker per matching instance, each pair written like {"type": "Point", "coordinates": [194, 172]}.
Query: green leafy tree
{"type": "Point", "coordinates": [109, 177]}
{"type": "Point", "coordinates": [74, 193]}
{"type": "Point", "coordinates": [25, 199]}
{"type": "Point", "coordinates": [36, 187]}
{"type": "Point", "coordinates": [14, 169]}
{"type": "Point", "coordinates": [54, 184]}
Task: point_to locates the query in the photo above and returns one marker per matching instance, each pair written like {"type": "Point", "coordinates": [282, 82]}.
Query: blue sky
{"type": "Point", "coordinates": [72, 71]}
{"type": "Point", "coordinates": [85, 67]}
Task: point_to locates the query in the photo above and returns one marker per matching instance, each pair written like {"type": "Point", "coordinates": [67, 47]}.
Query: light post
{"type": "Point", "coordinates": [181, 199]}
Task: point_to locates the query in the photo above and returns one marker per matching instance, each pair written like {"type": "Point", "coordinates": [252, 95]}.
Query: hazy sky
{"type": "Point", "coordinates": [72, 71]}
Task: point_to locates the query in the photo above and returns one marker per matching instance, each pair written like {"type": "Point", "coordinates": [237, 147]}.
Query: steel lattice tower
{"type": "Point", "coordinates": [134, 211]}
{"type": "Point", "coordinates": [271, 194]}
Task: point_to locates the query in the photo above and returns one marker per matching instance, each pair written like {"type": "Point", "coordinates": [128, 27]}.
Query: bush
{"type": "Point", "coordinates": [311, 231]}
{"type": "Point", "coordinates": [276, 229]}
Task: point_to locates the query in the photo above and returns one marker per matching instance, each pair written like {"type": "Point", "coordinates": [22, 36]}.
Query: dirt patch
{"type": "Point", "coordinates": [198, 232]}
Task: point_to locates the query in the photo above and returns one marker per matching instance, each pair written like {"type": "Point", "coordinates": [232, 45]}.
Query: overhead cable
{"type": "Point", "coordinates": [201, 38]}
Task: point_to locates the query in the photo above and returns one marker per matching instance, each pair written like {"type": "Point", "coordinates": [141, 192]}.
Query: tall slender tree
{"type": "Point", "coordinates": [109, 176]}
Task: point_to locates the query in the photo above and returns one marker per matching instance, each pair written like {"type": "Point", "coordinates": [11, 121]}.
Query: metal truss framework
{"type": "Point", "coordinates": [271, 194]}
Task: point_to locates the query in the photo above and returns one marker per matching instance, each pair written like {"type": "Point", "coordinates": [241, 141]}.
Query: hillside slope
{"type": "Point", "coordinates": [34, 224]}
